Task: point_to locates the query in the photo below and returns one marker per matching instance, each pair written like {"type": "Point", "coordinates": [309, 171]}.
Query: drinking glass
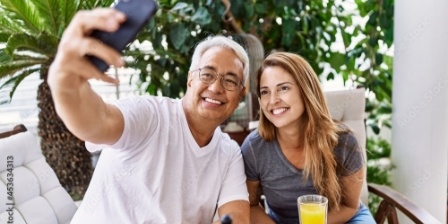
{"type": "Point", "coordinates": [312, 209]}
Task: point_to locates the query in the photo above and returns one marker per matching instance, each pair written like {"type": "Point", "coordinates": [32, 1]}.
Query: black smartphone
{"type": "Point", "coordinates": [138, 13]}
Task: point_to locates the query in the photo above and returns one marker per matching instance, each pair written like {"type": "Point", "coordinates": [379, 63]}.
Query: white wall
{"type": "Point", "coordinates": [420, 103]}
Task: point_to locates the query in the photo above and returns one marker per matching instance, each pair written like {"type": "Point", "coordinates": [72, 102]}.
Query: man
{"type": "Point", "coordinates": [167, 160]}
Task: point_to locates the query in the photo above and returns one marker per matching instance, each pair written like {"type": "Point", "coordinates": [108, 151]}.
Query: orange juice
{"type": "Point", "coordinates": [312, 213]}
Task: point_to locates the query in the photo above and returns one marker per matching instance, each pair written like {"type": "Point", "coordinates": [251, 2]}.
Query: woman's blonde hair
{"type": "Point", "coordinates": [319, 131]}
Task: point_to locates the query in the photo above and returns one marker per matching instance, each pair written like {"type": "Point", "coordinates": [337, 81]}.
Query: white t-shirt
{"type": "Point", "coordinates": [157, 173]}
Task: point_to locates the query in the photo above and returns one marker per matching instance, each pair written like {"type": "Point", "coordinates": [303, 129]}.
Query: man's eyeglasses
{"type": "Point", "coordinates": [209, 76]}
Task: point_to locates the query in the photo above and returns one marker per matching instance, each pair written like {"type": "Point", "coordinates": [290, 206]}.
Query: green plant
{"type": "Point", "coordinates": [379, 167]}
{"type": "Point", "coordinates": [77, 197]}
{"type": "Point", "coordinates": [376, 74]}
{"type": "Point", "coordinates": [309, 28]}
{"type": "Point", "coordinates": [30, 31]}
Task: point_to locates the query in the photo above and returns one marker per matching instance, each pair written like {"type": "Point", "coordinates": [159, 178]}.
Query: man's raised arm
{"type": "Point", "coordinates": [83, 111]}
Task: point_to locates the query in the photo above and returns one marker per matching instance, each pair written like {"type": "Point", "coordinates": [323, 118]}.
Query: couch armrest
{"type": "Point", "coordinates": [392, 200]}
{"type": "Point", "coordinates": [17, 129]}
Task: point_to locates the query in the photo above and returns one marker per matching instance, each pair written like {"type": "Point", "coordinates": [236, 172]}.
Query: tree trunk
{"type": "Point", "coordinates": [64, 152]}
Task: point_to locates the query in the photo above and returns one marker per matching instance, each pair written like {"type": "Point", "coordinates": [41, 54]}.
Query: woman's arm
{"type": "Point", "coordinates": [351, 193]}
{"type": "Point", "coordinates": [257, 214]}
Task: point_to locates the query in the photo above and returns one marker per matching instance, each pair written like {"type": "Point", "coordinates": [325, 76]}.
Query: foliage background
{"type": "Point", "coordinates": [310, 28]}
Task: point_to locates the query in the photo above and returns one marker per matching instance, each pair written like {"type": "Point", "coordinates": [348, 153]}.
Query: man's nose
{"type": "Point", "coordinates": [217, 85]}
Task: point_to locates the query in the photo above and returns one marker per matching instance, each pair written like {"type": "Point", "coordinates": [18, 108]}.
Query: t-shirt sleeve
{"type": "Point", "coordinates": [349, 155]}
{"type": "Point", "coordinates": [234, 184]}
{"type": "Point", "coordinates": [250, 165]}
{"type": "Point", "coordinates": [140, 114]}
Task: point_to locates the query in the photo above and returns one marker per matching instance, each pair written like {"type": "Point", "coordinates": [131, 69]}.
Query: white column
{"type": "Point", "coordinates": [420, 103]}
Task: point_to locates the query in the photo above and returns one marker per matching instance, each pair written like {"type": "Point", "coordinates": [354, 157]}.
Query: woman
{"type": "Point", "coordinates": [297, 148]}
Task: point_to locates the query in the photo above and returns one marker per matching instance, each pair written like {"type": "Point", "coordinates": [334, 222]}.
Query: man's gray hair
{"type": "Point", "coordinates": [225, 42]}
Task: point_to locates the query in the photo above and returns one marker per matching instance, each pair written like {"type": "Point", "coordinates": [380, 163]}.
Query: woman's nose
{"type": "Point", "coordinates": [274, 98]}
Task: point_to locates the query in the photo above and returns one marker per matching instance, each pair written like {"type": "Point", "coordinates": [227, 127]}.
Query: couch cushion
{"type": "Point", "coordinates": [46, 178]}
{"type": "Point", "coordinates": [22, 147]}
{"type": "Point", "coordinates": [38, 196]}
{"type": "Point", "coordinates": [37, 211]}
{"type": "Point", "coordinates": [14, 216]}
{"type": "Point", "coordinates": [61, 203]}
{"type": "Point", "coordinates": [22, 181]}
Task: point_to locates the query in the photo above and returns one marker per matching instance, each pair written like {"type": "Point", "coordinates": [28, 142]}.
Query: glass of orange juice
{"type": "Point", "coordinates": [312, 209]}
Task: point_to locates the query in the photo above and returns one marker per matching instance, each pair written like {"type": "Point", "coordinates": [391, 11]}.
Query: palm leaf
{"type": "Point", "coordinates": [17, 79]}
{"type": "Point", "coordinates": [11, 67]}
{"type": "Point", "coordinates": [4, 37]}
{"type": "Point", "coordinates": [4, 57]}
{"type": "Point", "coordinates": [50, 13]}
{"type": "Point", "coordinates": [69, 8]}
{"type": "Point", "coordinates": [7, 24]}
{"type": "Point", "coordinates": [25, 11]}
{"type": "Point", "coordinates": [87, 4]}
{"type": "Point", "coordinates": [67, 11]}
{"type": "Point", "coordinates": [42, 44]}
{"type": "Point", "coordinates": [23, 57]}
{"type": "Point", "coordinates": [90, 4]}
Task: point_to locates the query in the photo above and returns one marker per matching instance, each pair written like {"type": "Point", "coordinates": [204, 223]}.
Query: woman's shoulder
{"type": "Point", "coordinates": [346, 138]}
{"type": "Point", "coordinates": [255, 137]}
{"type": "Point", "coordinates": [253, 141]}
{"type": "Point", "coordinates": [348, 153]}
{"type": "Point", "coordinates": [257, 150]}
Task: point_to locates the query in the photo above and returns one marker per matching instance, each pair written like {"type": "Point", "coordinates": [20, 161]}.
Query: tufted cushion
{"type": "Point", "coordinates": [38, 195]}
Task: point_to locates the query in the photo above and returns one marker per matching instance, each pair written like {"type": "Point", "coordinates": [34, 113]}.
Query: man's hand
{"type": "Point", "coordinates": [81, 109]}
{"type": "Point", "coordinates": [71, 68]}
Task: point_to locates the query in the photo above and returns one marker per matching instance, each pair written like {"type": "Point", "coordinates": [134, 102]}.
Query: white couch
{"type": "Point", "coordinates": [38, 197]}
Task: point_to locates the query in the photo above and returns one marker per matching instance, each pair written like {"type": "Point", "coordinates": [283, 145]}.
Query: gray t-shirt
{"type": "Point", "coordinates": [281, 182]}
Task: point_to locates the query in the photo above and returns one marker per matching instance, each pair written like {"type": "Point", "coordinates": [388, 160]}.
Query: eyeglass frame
{"type": "Point", "coordinates": [240, 82]}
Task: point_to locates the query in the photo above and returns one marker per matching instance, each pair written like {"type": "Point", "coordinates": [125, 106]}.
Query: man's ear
{"type": "Point", "coordinates": [243, 92]}
{"type": "Point", "coordinates": [190, 79]}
